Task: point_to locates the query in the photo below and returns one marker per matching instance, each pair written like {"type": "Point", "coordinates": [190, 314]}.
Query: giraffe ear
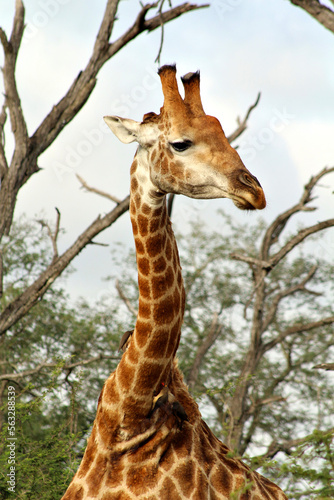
{"type": "Point", "coordinates": [125, 130]}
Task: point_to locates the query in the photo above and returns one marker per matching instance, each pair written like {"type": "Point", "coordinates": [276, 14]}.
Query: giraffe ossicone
{"type": "Point", "coordinates": [149, 440]}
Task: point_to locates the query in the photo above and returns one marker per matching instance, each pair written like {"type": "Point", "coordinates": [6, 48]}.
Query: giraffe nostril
{"type": "Point", "coordinates": [248, 179]}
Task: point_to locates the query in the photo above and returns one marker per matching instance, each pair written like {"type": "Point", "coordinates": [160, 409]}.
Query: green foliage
{"type": "Point", "coordinates": [310, 469]}
{"type": "Point", "coordinates": [43, 457]}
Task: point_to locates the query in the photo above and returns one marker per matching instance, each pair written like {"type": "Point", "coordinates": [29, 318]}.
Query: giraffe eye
{"type": "Point", "coordinates": [181, 146]}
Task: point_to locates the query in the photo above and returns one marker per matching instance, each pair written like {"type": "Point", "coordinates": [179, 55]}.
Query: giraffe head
{"type": "Point", "coordinates": [186, 150]}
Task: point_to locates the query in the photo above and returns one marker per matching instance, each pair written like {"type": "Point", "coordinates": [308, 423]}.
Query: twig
{"type": "Point", "coordinates": [98, 243]}
{"type": "Point", "coordinates": [125, 299]}
{"type": "Point", "coordinates": [157, 59]}
{"type": "Point", "coordinates": [243, 124]}
{"type": "Point", "coordinates": [97, 191]}
{"type": "Point", "coordinates": [286, 446]}
{"type": "Point", "coordinates": [264, 402]}
{"type": "Point", "coordinates": [275, 229]}
{"type": "Point", "coordinates": [301, 287]}
{"type": "Point", "coordinates": [53, 236]}
{"type": "Point", "coordinates": [41, 366]}
{"type": "Point", "coordinates": [209, 340]}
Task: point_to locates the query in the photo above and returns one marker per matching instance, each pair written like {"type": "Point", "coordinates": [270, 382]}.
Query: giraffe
{"type": "Point", "coordinates": [149, 440]}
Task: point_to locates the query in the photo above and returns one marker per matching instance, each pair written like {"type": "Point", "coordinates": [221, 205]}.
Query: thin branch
{"type": "Point", "coordinates": [209, 340]}
{"type": "Point", "coordinates": [66, 367]}
{"type": "Point", "coordinates": [98, 243]}
{"type": "Point", "coordinates": [250, 260]}
{"type": "Point", "coordinates": [97, 191]}
{"type": "Point", "coordinates": [242, 125]}
{"type": "Point", "coordinates": [169, 15]}
{"type": "Point", "coordinates": [162, 37]}
{"type": "Point", "coordinates": [288, 446]}
{"type": "Point", "coordinates": [275, 229]}
{"type": "Point", "coordinates": [53, 236]}
{"type": "Point", "coordinates": [301, 287]}
{"type": "Point", "coordinates": [324, 366]}
{"type": "Point", "coordinates": [320, 12]}
{"type": "Point", "coordinates": [298, 238]}
{"type": "Point", "coordinates": [125, 299]}
{"type": "Point", "coordinates": [263, 402]}
{"type": "Point", "coordinates": [293, 330]}
{"type": "Point", "coordinates": [157, 59]}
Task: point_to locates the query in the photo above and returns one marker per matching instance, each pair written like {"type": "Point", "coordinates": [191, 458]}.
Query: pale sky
{"type": "Point", "coordinates": [240, 48]}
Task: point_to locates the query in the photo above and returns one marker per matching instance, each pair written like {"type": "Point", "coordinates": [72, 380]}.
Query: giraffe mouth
{"type": "Point", "coordinates": [245, 204]}
{"type": "Point", "coordinates": [242, 204]}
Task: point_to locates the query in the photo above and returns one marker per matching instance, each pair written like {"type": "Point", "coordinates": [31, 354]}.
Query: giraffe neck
{"type": "Point", "coordinates": [147, 362]}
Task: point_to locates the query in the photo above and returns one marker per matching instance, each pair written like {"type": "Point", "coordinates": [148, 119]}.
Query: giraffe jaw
{"type": "Point", "coordinates": [244, 201]}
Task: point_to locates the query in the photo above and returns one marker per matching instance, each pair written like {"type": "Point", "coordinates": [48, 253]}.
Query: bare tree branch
{"type": "Point", "coordinates": [276, 228]}
{"type": "Point", "coordinates": [66, 367]}
{"type": "Point", "coordinates": [250, 260]}
{"type": "Point", "coordinates": [298, 328]}
{"type": "Point", "coordinates": [125, 299]}
{"type": "Point", "coordinates": [324, 366]}
{"type": "Point", "coordinates": [288, 446]}
{"type": "Point", "coordinates": [53, 236]}
{"type": "Point", "coordinates": [264, 402]}
{"type": "Point", "coordinates": [301, 287]}
{"type": "Point", "coordinates": [298, 238]}
{"type": "Point", "coordinates": [97, 191]}
{"type": "Point", "coordinates": [242, 125]}
{"type": "Point", "coordinates": [320, 12]}
{"type": "Point", "coordinates": [208, 341]}
{"type": "Point", "coordinates": [157, 59]}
